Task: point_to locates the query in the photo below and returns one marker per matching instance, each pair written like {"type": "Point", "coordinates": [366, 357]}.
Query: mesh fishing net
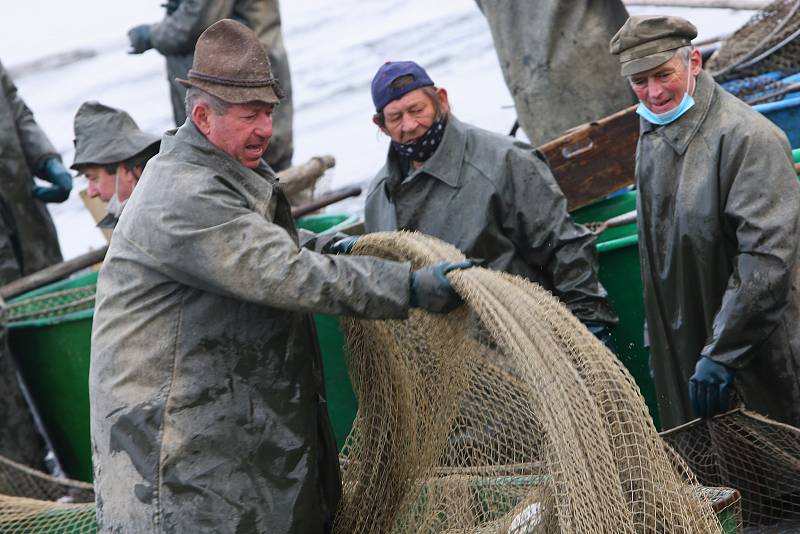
{"type": "Point", "coordinates": [767, 42]}
{"type": "Point", "coordinates": [32, 502]}
{"type": "Point", "coordinates": [52, 304]}
{"type": "Point", "coordinates": [506, 415]}
{"type": "Point", "coordinates": [759, 457]}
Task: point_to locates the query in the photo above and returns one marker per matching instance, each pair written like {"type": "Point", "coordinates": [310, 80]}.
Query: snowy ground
{"type": "Point", "coordinates": [334, 49]}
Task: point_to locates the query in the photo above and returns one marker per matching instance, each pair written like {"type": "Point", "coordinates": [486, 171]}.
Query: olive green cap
{"type": "Point", "coordinates": [645, 42]}
{"type": "Point", "coordinates": [106, 135]}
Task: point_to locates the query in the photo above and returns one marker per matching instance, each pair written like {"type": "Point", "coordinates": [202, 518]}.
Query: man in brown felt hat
{"type": "Point", "coordinates": [719, 213]}
{"type": "Point", "coordinates": [208, 409]}
{"type": "Point", "coordinates": [175, 37]}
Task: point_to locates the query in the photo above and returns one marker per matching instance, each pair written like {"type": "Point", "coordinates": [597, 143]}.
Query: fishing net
{"type": "Point", "coordinates": [766, 43]}
{"type": "Point", "coordinates": [758, 456]}
{"type": "Point", "coordinates": [52, 304]}
{"type": "Point", "coordinates": [505, 415]}
{"type": "Point", "coordinates": [32, 502]}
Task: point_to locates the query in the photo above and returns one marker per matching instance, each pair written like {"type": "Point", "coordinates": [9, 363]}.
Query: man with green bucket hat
{"type": "Point", "coordinates": [718, 207]}
{"type": "Point", "coordinates": [208, 408]}
{"type": "Point", "coordinates": [111, 151]}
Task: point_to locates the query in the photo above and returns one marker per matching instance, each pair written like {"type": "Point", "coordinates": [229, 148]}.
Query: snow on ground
{"type": "Point", "coordinates": [334, 49]}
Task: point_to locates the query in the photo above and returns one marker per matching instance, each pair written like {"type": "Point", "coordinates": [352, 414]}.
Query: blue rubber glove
{"type": "Point", "coordinates": [431, 290]}
{"type": "Point", "coordinates": [139, 36]}
{"type": "Point", "coordinates": [710, 387]}
{"type": "Point", "coordinates": [341, 246]}
{"type": "Point", "coordinates": [54, 172]}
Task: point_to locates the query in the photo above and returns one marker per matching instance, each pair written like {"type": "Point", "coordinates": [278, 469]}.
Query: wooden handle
{"type": "Point", "coordinates": [52, 273]}
{"type": "Point", "coordinates": [327, 200]}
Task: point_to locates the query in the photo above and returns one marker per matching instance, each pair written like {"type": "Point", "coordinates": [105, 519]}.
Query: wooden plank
{"type": "Point", "coordinates": [97, 208]}
{"type": "Point", "coordinates": [595, 159]}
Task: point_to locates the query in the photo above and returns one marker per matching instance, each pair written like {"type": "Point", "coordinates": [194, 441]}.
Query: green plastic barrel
{"type": "Point", "coordinates": [620, 274]}
{"type": "Point", "coordinates": [53, 357]}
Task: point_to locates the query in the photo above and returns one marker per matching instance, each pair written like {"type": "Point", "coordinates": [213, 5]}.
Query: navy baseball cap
{"type": "Point", "coordinates": [382, 90]}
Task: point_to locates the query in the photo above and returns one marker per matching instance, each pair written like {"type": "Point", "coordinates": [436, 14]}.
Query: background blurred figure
{"type": "Point", "coordinates": [547, 49]}
{"type": "Point", "coordinates": [28, 240]}
{"type": "Point", "coordinates": [175, 38]}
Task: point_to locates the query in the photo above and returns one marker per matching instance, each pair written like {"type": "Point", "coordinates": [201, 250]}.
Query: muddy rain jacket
{"type": "Point", "coordinates": [23, 149]}
{"type": "Point", "coordinates": [208, 412]}
{"type": "Point", "coordinates": [176, 35]}
{"type": "Point", "coordinates": [555, 61]}
{"type": "Point", "coordinates": [718, 209]}
{"type": "Point", "coordinates": [495, 199]}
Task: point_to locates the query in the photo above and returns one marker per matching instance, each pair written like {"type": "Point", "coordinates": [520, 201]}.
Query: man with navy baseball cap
{"type": "Point", "coordinates": [490, 195]}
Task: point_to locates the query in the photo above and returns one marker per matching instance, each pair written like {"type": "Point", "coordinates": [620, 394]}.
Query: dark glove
{"type": "Point", "coordinates": [341, 246]}
{"type": "Point", "coordinates": [710, 387]}
{"type": "Point", "coordinates": [431, 290]}
{"type": "Point", "coordinates": [600, 330]}
{"type": "Point", "coordinates": [54, 172]}
{"type": "Point", "coordinates": [172, 6]}
{"type": "Point", "coordinates": [139, 36]}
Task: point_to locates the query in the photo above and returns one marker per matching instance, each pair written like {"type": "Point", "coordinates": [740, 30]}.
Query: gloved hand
{"type": "Point", "coordinates": [54, 172]}
{"type": "Point", "coordinates": [341, 246]}
{"type": "Point", "coordinates": [600, 330]}
{"type": "Point", "coordinates": [172, 6]}
{"type": "Point", "coordinates": [710, 387]}
{"type": "Point", "coordinates": [139, 36]}
{"type": "Point", "coordinates": [431, 290]}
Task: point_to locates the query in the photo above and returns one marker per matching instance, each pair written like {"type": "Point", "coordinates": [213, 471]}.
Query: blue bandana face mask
{"type": "Point", "coordinates": [668, 116]}
{"type": "Point", "coordinates": [424, 147]}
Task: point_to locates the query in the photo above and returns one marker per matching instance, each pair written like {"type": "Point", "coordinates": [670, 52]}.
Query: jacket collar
{"type": "Point", "coordinates": [681, 132]}
{"type": "Point", "coordinates": [444, 165]}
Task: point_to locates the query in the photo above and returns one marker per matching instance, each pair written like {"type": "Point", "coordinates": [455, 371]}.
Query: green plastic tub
{"type": "Point", "coordinates": [53, 357]}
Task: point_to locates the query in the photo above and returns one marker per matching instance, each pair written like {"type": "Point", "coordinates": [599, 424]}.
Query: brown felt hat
{"type": "Point", "coordinates": [645, 42]}
{"type": "Point", "coordinates": [231, 63]}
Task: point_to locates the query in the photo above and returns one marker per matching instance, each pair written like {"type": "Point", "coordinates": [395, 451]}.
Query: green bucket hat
{"type": "Point", "coordinates": [645, 42]}
{"type": "Point", "coordinates": [106, 135]}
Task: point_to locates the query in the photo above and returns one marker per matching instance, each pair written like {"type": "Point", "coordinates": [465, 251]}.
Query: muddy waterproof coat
{"type": "Point", "coordinates": [19, 440]}
{"type": "Point", "coordinates": [175, 38]}
{"type": "Point", "coordinates": [208, 412]}
{"type": "Point", "coordinates": [719, 208]}
{"type": "Point", "coordinates": [555, 61]}
{"type": "Point", "coordinates": [496, 200]}
{"type": "Point", "coordinates": [25, 220]}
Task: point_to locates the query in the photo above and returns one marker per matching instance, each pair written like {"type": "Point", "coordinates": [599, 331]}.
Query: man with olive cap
{"type": "Point", "coordinates": [718, 208]}
{"type": "Point", "coordinates": [111, 151]}
{"type": "Point", "coordinates": [208, 411]}
{"type": "Point", "coordinates": [489, 195]}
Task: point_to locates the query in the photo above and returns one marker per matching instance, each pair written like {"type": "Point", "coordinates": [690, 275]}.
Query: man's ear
{"type": "Point", "coordinates": [441, 92]}
{"type": "Point", "coordinates": [377, 123]}
{"type": "Point", "coordinates": [200, 118]}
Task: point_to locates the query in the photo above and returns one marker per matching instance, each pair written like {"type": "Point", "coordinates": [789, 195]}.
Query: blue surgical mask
{"type": "Point", "coordinates": [668, 116]}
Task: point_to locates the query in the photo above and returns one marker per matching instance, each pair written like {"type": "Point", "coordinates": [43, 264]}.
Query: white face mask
{"type": "Point", "coordinates": [113, 208]}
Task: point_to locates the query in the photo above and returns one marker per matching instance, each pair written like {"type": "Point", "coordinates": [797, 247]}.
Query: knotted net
{"type": "Point", "coordinates": [505, 415]}
{"type": "Point", "coordinates": [767, 42]}
{"type": "Point", "coordinates": [32, 502]}
{"type": "Point", "coordinates": [757, 456]}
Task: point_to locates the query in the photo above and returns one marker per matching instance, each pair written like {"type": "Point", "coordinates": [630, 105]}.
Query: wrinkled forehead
{"type": "Point", "coordinates": [412, 98]}
{"type": "Point", "coordinates": [92, 171]}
